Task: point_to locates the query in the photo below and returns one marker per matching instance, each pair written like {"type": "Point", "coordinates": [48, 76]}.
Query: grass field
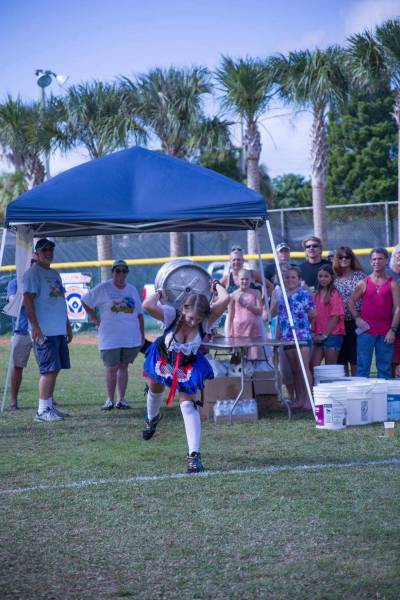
{"type": "Point", "coordinates": [288, 533]}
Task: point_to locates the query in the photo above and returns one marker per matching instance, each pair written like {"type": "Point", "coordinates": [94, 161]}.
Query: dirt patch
{"type": "Point", "coordinates": [79, 340]}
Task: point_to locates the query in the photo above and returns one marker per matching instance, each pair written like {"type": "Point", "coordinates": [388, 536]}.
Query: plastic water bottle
{"type": "Point", "coordinates": [226, 408]}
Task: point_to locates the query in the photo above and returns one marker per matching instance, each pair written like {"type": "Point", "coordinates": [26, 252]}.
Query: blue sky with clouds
{"type": "Point", "coordinates": [100, 39]}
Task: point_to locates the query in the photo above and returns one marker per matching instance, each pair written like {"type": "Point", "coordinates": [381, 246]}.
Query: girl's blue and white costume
{"type": "Point", "coordinates": [166, 357]}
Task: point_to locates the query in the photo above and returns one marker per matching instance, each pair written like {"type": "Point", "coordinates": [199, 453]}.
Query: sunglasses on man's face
{"type": "Point", "coordinates": [236, 249]}
{"type": "Point", "coordinates": [118, 271]}
{"type": "Point", "coordinates": [312, 246]}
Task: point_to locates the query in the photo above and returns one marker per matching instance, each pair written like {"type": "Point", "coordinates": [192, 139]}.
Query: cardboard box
{"type": "Point", "coordinates": [222, 388]}
{"type": "Point", "coordinates": [262, 388]}
{"type": "Point", "coordinates": [267, 404]}
{"type": "Point", "coordinates": [226, 388]}
{"type": "Point", "coordinates": [264, 383]}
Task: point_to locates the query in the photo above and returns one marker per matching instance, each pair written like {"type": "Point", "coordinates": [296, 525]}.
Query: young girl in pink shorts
{"type": "Point", "coordinates": [328, 324]}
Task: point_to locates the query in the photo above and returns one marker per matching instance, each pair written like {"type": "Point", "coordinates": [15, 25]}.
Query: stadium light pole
{"type": "Point", "coordinates": [44, 78]}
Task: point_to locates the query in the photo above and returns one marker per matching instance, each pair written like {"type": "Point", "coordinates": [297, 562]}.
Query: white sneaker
{"type": "Point", "coordinates": [122, 404]}
{"type": "Point", "coordinates": [108, 405]}
{"type": "Point", "coordinates": [47, 416]}
{"type": "Point", "coordinates": [59, 413]}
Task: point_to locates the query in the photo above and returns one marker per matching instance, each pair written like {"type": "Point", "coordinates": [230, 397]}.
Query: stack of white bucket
{"type": "Point", "coordinates": [355, 401]}
{"type": "Point", "coordinates": [328, 373]}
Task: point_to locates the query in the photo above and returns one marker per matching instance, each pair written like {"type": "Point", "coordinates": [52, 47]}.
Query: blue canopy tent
{"type": "Point", "coordinates": [136, 190]}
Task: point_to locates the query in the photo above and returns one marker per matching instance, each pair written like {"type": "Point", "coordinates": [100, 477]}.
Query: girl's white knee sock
{"type": "Point", "coordinates": [154, 402]}
{"type": "Point", "coordinates": [191, 418]}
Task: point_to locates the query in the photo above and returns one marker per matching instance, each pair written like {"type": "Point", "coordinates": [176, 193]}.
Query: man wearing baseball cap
{"type": "Point", "coordinates": [283, 253]}
{"type": "Point", "coordinates": [51, 331]}
{"type": "Point", "coordinates": [121, 329]}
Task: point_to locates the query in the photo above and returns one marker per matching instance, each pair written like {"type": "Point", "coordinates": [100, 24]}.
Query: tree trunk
{"type": "Point", "coordinates": [319, 154]}
{"type": "Point", "coordinates": [176, 244]}
{"type": "Point", "coordinates": [252, 147]}
{"type": "Point", "coordinates": [104, 252]}
{"type": "Point", "coordinates": [396, 115]}
{"type": "Point", "coordinates": [34, 171]}
{"type": "Point", "coordinates": [176, 239]}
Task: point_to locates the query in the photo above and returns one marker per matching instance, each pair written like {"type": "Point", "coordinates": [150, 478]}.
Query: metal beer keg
{"type": "Point", "coordinates": [179, 278]}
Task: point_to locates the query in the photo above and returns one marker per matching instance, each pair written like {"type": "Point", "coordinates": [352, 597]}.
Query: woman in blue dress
{"type": "Point", "coordinates": [175, 360]}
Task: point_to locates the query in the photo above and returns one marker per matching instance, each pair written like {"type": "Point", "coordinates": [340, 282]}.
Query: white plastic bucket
{"type": "Point", "coordinates": [328, 373]}
{"type": "Point", "coordinates": [358, 404]}
{"type": "Point", "coordinates": [393, 400]}
{"type": "Point", "coordinates": [330, 407]}
{"type": "Point", "coordinates": [378, 402]}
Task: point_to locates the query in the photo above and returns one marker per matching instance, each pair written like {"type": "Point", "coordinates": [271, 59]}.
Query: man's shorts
{"type": "Point", "coordinates": [21, 346]}
{"type": "Point", "coordinates": [118, 356]}
{"type": "Point", "coordinates": [52, 354]}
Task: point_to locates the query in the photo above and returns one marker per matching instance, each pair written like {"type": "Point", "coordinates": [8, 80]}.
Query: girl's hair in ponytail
{"type": "Point", "coordinates": [328, 290]}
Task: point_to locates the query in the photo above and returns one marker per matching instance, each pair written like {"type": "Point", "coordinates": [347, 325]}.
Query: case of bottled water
{"type": "Point", "coordinates": [245, 410]}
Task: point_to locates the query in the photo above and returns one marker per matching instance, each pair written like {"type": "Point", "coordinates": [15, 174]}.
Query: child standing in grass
{"type": "Point", "coordinates": [302, 309]}
{"type": "Point", "coordinates": [328, 324]}
{"type": "Point", "coordinates": [175, 360]}
{"type": "Point", "coordinates": [244, 313]}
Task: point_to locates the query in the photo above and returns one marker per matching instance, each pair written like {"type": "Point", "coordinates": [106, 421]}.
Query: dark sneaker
{"type": "Point", "coordinates": [122, 404]}
{"type": "Point", "coordinates": [150, 426]}
{"type": "Point", "coordinates": [194, 463]}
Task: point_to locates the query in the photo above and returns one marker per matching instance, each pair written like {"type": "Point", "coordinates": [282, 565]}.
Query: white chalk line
{"type": "Point", "coordinates": [205, 474]}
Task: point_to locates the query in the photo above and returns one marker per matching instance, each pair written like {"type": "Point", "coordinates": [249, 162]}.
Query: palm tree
{"type": "Point", "coordinates": [12, 185]}
{"type": "Point", "coordinates": [247, 86]}
{"type": "Point", "coordinates": [316, 80]}
{"type": "Point", "coordinates": [96, 117]}
{"type": "Point", "coordinates": [171, 106]}
{"type": "Point", "coordinates": [26, 132]}
{"type": "Point", "coordinates": [375, 63]}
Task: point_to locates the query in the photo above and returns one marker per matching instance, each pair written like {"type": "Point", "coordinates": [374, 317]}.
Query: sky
{"type": "Point", "coordinates": [101, 39]}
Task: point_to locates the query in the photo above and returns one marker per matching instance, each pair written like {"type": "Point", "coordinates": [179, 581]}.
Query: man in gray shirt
{"type": "Point", "coordinates": [51, 331]}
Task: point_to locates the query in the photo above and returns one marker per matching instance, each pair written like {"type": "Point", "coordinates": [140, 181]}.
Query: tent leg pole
{"type": "Point", "coordinates": [264, 286]}
{"type": "Point", "coordinates": [6, 382]}
{"type": "Point", "coordinates": [290, 316]}
{"type": "Point", "coordinates": [3, 245]}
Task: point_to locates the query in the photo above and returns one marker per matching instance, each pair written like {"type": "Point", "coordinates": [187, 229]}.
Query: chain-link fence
{"type": "Point", "coordinates": [355, 225]}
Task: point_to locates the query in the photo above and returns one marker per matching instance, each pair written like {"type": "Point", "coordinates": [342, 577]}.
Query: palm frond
{"type": "Point", "coordinates": [98, 116]}
{"type": "Point", "coordinates": [366, 61]}
{"type": "Point", "coordinates": [388, 38]}
{"type": "Point", "coordinates": [170, 103]}
{"type": "Point", "coordinates": [247, 86]}
{"type": "Point", "coordinates": [312, 78]}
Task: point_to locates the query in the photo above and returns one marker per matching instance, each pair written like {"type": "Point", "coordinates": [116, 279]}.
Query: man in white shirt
{"type": "Point", "coordinates": [121, 329]}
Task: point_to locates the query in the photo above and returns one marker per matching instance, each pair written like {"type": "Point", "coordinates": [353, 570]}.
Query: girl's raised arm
{"type": "Point", "coordinates": [220, 304]}
{"type": "Point", "coordinates": [151, 306]}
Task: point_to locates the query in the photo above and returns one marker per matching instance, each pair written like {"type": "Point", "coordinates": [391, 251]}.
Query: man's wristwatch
{"type": "Point", "coordinates": [394, 329]}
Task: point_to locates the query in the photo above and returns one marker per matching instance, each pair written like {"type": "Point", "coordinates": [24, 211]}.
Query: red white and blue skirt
{"type": "Point", "coordinates": [176, 372]}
